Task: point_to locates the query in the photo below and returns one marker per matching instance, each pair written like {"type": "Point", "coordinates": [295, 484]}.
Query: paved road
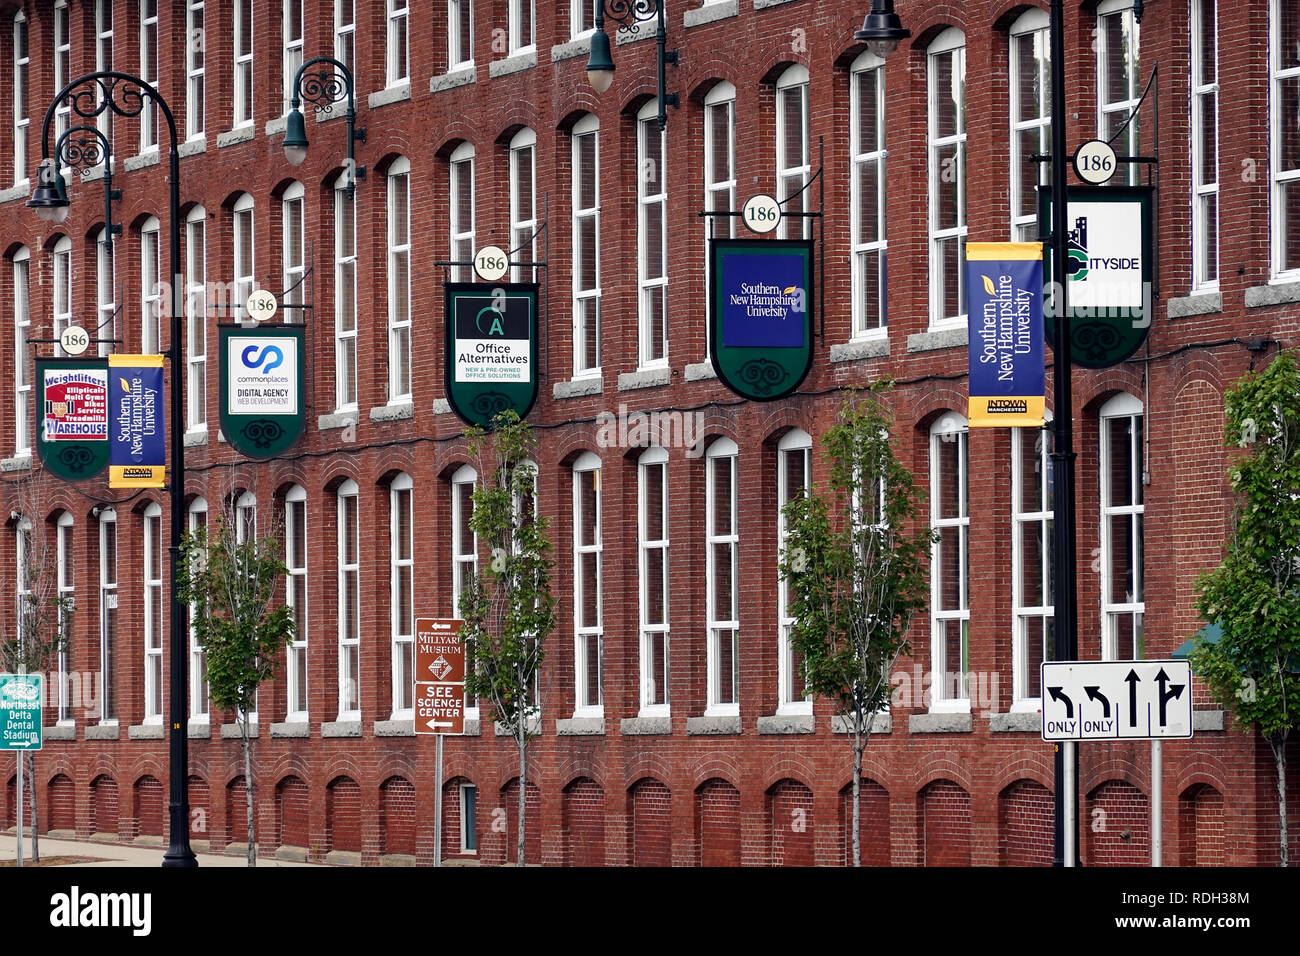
{"type": "Point", "coordinates": [112, 854]}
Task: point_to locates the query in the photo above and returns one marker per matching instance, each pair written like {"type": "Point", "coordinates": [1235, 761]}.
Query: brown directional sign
{"type": "Point", "coordinates": [439, 676]}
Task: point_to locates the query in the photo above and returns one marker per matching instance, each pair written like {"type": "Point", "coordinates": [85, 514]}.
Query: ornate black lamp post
{"type": "Point", "coordinates": [89, 97]}
{"type": "Point", "coordinates": [600, 65]}
{"type": "Point", "coordinates": [322, 88]}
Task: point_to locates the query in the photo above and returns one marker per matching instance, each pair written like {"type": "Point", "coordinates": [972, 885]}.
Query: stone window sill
{"type": "Point", "coordinates": [786, 724]}
{"type": "Point", "coordinates": [710, 12]}
{"type": "Point", "coordinates": [1260, 296]}
{"type": "Point", "coordinates": [397, 93]}
{"type": "Point", "coordinates": [463, 75]}
{"type": "Point", "coordinates": [516, 63]}
{"type": "Point", "coordinates": [1202, 303]}
{"type": "Point", "coordinates": [940, 723]}
{"type": "Point", "coordinates": [645, 726]}
{"type": "Point", "coordinates": [937, 339]}
{"type": "Point", "coordinates": [861, 349]}
{"type": "Point", "coordinates": [880, 724]}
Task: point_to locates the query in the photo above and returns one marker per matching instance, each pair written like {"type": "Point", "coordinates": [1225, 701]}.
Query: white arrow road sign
{"type": "Point", "coordinates": [1109, 700]}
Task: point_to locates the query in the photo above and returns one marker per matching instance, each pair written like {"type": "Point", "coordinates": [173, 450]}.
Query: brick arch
{"type": "Point", "coordinates": [1107, 383]}
{"type": "Point", "coordinates": [935, 766]}
{"type": "Point", "coordinates": [645, 764]}
{"type": "Point", "coordinates": [1026, 831]}
{"type": "Point", "coordinates": [1002, 21]}
{"type": "Point", "coordinates": [1204, 769]}
{"type": "Point", "coordinates": [1035, 767]}
{"type": "Point", "coordinates": [455, 132]}
{"type": "Point", "coordinates": [791, 830]}
{"type": "Point", "coordinates": [343, 814]}
{"type": "Point", "coordinates": [1201, 836]}
{"type": "Point", "coordinates": [944, 823]}
{"type": "Point", "coordinates": [717, 823]}
{"type": "Point", "coordinates": [1117, 825]}
{"type": "Point", "coordinates": [649, 823]}
{"type": "Point", "coordinates": [61, 803]}
{"type": "Point", "coordinates": [716, 763]}
{"type": "Point", "coordinates": [579, 765]}
{"type": "Point", "coordinates": [1113, 766]}
{"type": "Point", "coordinates": [873, 822]}
{"type": "Point", "coordinates": [572, 103]}
{"type": "Point", "coordinates": [292, 812]}
{"type": "Point", "coordinates": [583, 822]}
{"type": "Point", "coordinates": [787, 766]}
{"type": "Point", "coordinates": [704, 72]}
{"type": "Point", "coordinates": [148, 807]}
{"type": "Point", "coordinates": [937, 18]}
{"type": "Point", "coordinates": [237, 810]}
{"type": "Point", "coordinates": [341, 468]}
{"type": "Point", "coordinates": [105, 814]}
{"type": "Point", "coordinates": [398, 764]}
{"type": "Point", "coordinates": [509, 797]}
{"type": "Point", "coordinates": [286, 764]}
{"type": "Point", "coordinates": [341, 765]}
{"type": "Point", "coordinates": [200, 807]}
{"type": "Point", "coordinates": [397, 819]}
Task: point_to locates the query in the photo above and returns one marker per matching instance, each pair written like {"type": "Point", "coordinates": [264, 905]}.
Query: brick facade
{"type": "Point", "coordinates": [979, 794]}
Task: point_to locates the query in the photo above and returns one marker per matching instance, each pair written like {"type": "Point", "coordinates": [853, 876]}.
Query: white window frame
{"type": "Point", "coordinates": [345, 297]}
{"type": "Point", "coordinates": [653, 548]}
{"type": "Point", "coordinates": [292, 33]}
{"type": "Point", "coordinates": [155, 615]}
{"type": "Point", "coordinates": [950, 428]}
{"type": "Point", "coordinates": [200, 712]}
{"type": "Point", "coordinates": [1031, 27]}
{"type": "Point", "coordinates": [196, 326]}
{"type": "Point", "coordinates": [1024, 520]}
{"type": "Point", "coordinates": [791, 178]}
{"type": "Point", "coordinates": [523, 204]}
{"type": "Point", "coordinates": [66, 584]}
{"type": "Point", "coordinates": [1205, 194]}
{"type": "Point", "coordinates": [345, 33]}
{"type": "Point", "coordinates": [108, 600]}
{"type": "Point", "coordinates": [245, 243]}
{"type": "Point", "coordinates": [580, 12]}
{"type": "Point", "coordinates": [242, 47]}
{"type": "Point", "coordinates": [719, 194]}
{"type": "Point", "coordinates": [61, 34]}
{"type": "Point", "coordinates": [400, 369]}
{"type": "Point", "coordinates": [720, 628]}
{"type": "Point", "coordinates": [651, 354]}
{"type": "Point", "coordinates": [583, 635]}
{"type": "Point", "coordinates": [464, 554]}
{"type": "Point", "coordinates": [460, 177]}
{"type": "Point", "coordinates": [1282, 178]}
{"type": "Point", "coordinates": [195, 69]}
{"type": "Point", "coordinates": [402, 631]}
{"type": "Point", "coordinates": [347, 642]}
{"type": "Point", "coordinates": [21, 270]}
{"type": "Point", "coordinates": [103, 14]}
{"type": "Point", "coordinates": [795, 441]}
{"type": "Point", "coordinates": [867, 68]}
{"type": "Point", "coordinates": [151, 304]}
{"type": "Point", "coordinates": [522, 26]}
{"type": "Point", "coordinates": [105, 292]}
{"type": "Point", "coordinates": [586, 129]}
{"type": "Point", "coordinates": [149, 41]}
{"type": "Point", "coordinates": [1122, 405]}
{"type": "Point", "coordinates": [1128, 143]}
{"type": "Point", "coordinates": [293, 254]}
{"type": "Point", "coordinates": [951, 42]}
{"type": "Point", "coordinates": [245, 533]}
{"type": "Point", "coordinates": [295, 560]}
{"type": "Point", "coordinates": [62, 290]}
{"type": "Point", "coordinates": [397, 42]}
{"type": "Point", "coordinates": [22, 87]}
{"type": "Point", "coordinates": [458, 30]}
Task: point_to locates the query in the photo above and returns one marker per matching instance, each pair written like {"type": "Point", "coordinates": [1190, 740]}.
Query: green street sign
{"type": "Point", "coordinates": [1111, 262]}
{"type": "Point", "coordinates": [491, 350]}
{"type": "Point", "coordinates": [72, 416]}
{"type": "Point", "coordinates": [262, 396]}
{"type": "Point", "coordinates": [20, 711]}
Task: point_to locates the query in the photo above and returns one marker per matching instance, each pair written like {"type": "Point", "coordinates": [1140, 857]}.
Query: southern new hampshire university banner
{"type": "Point", "coordinates": [137, 437]}
{"type": "Point", "coordinates": [1005, 290]}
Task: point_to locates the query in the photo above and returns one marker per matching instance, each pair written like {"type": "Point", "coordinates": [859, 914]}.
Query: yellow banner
{"type": "Point", "coordinates": [988, 412]}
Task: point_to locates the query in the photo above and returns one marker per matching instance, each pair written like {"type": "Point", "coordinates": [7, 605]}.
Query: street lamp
{"type": "Point", "coordinates": [126, 95]}
{"type": "Point", "coordinates": [322, 89]}
{"type": "Point", "coordinates": [600, 64]}
{"type": "Point", "coordinates": [881, 29]}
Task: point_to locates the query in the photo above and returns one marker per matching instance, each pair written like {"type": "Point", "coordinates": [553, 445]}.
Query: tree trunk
{"type": "Point", "coordinates": [248, 792]}
{"type": "Point", "coordinates": [1278, 743]}
{"type": "Point", "coordinates": [31, 802]}
{"type": "Point", "coordinates": [857, 789]}
{"type": "Point", "coordinates": [522, 740]}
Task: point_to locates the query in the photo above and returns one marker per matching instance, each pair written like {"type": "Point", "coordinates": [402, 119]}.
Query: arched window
{"type": "Point", "coordinates": [349, 592]}
{"type": "Point", "coordinates": [722, 542]}
{"type": "Point", "coordinates": [150, 287]}
{"type": "Point", "coordinates": [586, 246]}
{"type": "Point", "coordinates": [295, 559]}
{"type": "Point", "coordinates": [1031, 119]}
{"type": "Point", "coordinates": [20, 263]}
{"type": "Point", "coordinates": [652, 240]}
{"type": "Point", "coordinates": [946, 58]}
{"type": "Point", "coordinates": [399, 280]}
{"type": "Point", "coordinates": [196, 326]}
{"type": "Point", "coordinates": [460, 209]}
{"type": "Point", "coordinates": [867, 192]}
{"type": "Point", "coordinates": [293, 252]}
{"type": "Point", "coordinates": [401, 564]}
{"type": "Point", "coordinates": [198, 518]}
{"type": "Point", "coordinates": [652, 538]}
{"type": "Point", "coordinates": [794, 479]}
{"type": "Point", "coordinates": [245, 281]}
{"type": "Point", "coordinates": [949, 565]}
{"type": "Point", "coordinates": [1122, 480]}
{"type": "Point", "coordinates": [588, 621]}
{"type": "Point", "coordinates": [793, 166]}
{"type": "Point", "coordinates": [62, 289]}
{"type": "Point", "coordinates": [523, 202]}
{"type": "Point", "coordinates": [1032, 607]}
{"type": "Point", "coordinates": [155, 614]}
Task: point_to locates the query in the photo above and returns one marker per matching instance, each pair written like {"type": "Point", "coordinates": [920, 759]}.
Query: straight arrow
{"type": "Point", "coordinates": [1063, 699]}
{"type": "Point", "coordinates": [1133, 681]}
{"type": "Point", "coordinates": [1095, 694]}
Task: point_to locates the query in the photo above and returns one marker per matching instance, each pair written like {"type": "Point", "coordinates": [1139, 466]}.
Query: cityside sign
{"type": "Point", "coordinates": [1111, 262]}
{"type": "Point", "coordinates": [1007, 377]}
{"type": "Point", "coordinates": [72, 416]}
{"type": "Point", "coordinates": [491, 350]}
{"type": "Point", "coordinates": [262, 407]}
{"type": "Point", "coordinates": [760, 315]}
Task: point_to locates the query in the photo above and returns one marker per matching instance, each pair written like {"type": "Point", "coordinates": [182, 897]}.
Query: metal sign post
{"type": "Point", "coordinates": [439, 697]}
{"type": "Point", "coordinates": [20, 728]}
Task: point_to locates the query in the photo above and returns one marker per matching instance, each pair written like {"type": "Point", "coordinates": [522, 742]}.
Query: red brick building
{"type": "Point", "coordinates": [672, 730]}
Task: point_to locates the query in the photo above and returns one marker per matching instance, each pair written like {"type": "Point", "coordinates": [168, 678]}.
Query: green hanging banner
{"type": "Point", "coordinates": [1111, 264]}
{"type": "Point", "coordinates": [72, 434]}
{"type": "Point", "coordinates": [262, 397]}
{"type": "Point", "coordinates": [760, 315]}
{"type": "Point", "coordinates": [491, 351]}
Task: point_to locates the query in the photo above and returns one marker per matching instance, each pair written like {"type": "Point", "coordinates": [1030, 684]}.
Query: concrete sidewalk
{"type": "Point", "coordinates": [115, 854]}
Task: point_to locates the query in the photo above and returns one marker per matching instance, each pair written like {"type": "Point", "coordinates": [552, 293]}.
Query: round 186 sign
{"type": "Point", "coordinates": [261, 306]}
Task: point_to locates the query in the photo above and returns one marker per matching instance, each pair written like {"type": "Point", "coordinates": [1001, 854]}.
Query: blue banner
{"type": "Point", "coordinates": [137, 437]}
{"type": "Point", "coordinates": [1005, 290]}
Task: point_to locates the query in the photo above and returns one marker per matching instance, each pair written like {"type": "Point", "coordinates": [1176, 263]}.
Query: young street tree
{"type": "Point", "coordinates": [1254, 595]}
{"type": "Point", "coordinates": [855, 572]}
{"type": "Point", "coordinates": [231, 582]}
{"type": "Point", "coordinates": [507, 607]}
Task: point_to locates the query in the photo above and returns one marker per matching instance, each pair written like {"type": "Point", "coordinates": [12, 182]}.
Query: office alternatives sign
{"type": "Point", "coordinates": [760, 315]}
{"type": "Point", "coordinates": [1111, 264]}
{"type": "Point", "coordinates": [491, 350]}
{"type": "Point", "coordinates": [137, 434]}
{"type": "Point", "coordinates": [1007, 378]}
{"type": "Point", "coordinates": [262, 401]}
{"type": "Point", "coordinates": [72, 417]}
